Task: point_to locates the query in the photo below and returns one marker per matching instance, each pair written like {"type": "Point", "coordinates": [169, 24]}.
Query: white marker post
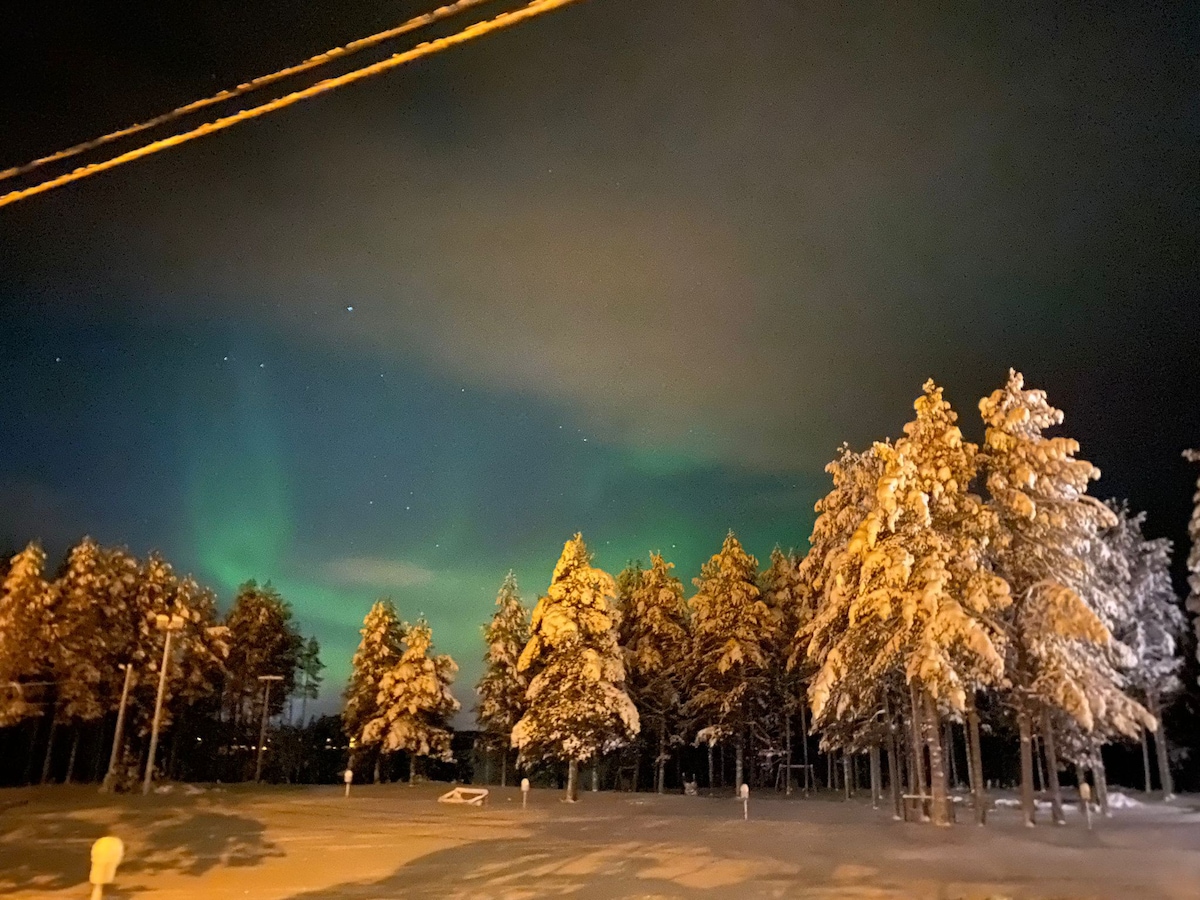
{"type": "Point", "coordinates": [744, 793]}
{"type": "Point", "coordinates": [107, 854]}
{"type": "Point", "coordinates": [348, 776]}
{"type": "Point", "coordinates": [524, 792]}
{"type": "Point", "coordinates": [1085, 797]}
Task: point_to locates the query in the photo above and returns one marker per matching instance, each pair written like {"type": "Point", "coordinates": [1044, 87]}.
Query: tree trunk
{"type": "Point", "coordinates": [739, 762]}
{"type": "Point", "coordinates": [378, 758]}
{"type": "Point", "coordinates": [71, 759]}
{"type": "Point", "coordinates": [49, 749]}
{"type": "Point", "coordinates": [1039, 760]}
{"type": "Point", "coordinates": [937, 771]}
{"type": "Point", "coordinates": [596, 776]}
{"type": "Point", "coordinates": [1026, 730]}
{"type": "Point", "coordinates": [1160, 748]}
{"type": "Point", "coordinates": [804, 735]}
{"type": "Point", "coordinates": [951, 754]}
{"type": "Point", "coordinates": [1145, 763]}
{"type": "Point", "coordinates": [787, 756]}
{"type": "Point", "coordinates": [876, 777]}
{"type": "Point", "coordinates": [573, 781]}
{"type": "Point", "coordinates": [829, 783]}
{"type": "Point", "coordinates": [1100, 776]}
{"type": "Point", "coordinates": [98, 758]}
{"type": "Point", "coordinates": [660, 776]}
{"type": "Point", "coordinates": [894, 776]}
{"type": "Point", "coordinates": [1048, 746]}
{"type": "Point", "coordinates": [975, 762]}
{"type": "Point", "coordinates": [31, 755]}
{"type": "Point", "coordinates": [917, 727]}
{"type": "Point", "coordinates": [503, 768]}
{"type": "Point", "coordinates": [847, 793]}
{"type": "Point", "coordinates": [710, 766]}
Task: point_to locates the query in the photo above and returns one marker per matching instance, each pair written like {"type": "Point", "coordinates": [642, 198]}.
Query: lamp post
{"type": "Point", "coordinates": [169, 624]}
{"type": "Point", "coordinates": [110, 776]}
{"type": "Point", "coordinates": [262, 732]}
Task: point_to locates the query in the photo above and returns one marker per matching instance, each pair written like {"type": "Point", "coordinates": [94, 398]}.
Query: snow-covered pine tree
{"type": "Point", "coordinates": [1047, 528]}
{"type": "Point", "coordinates": [24, 599]}
{"type": "Point", "coordinates": [501, 689]}
{"type": "Point", "coordinates": [1193, 560]}
{"type": "Point", "coordinates": [628, 580]}
{"type": "Point", "coordinates": [378, 651]}
{"type": "Point", "coordinates": [415, 703]}
{"type": "Point", "coordinates": [787, 597]}
{"type": "Point", "coordinates": [577, 704]}
{"type": "Point", "coordinates": [199, 647]}
{"type": "Point", "coordinates": [922, 600]}
{"type": "Point", "coordinates": [656, 650]}
{"type": "Point", "coordinates": [1150, 623]}
{"type": "Point", "coordinates": [849, 701]}
{"type": "Point", "coordinates": [729, 666]}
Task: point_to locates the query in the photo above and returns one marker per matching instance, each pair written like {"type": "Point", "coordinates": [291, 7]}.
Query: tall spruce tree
{"type": "Point", "coordinates": [577, 704]}
{"type": "Point", "coordinates": [787, 598]}
{"type": "Point", "coordinates": [1193, 559]}
{"type": "Point", "coordinates": [729, 666]}
{"type": "Point", "coordinates": [24, 598]}
{"type": "Point", "coordinates": [379, 650]}
{"type": "Point", "coordinates": [1149, 622]}
{"type": "Point", "coordinates": [501, 689]}
{"type": "Point", "coordinates": [1047, 527]}
{"type": "Point", "coordinates": [263, 641]}
{"type": "Point", "coordinates": [310, 679]}
{"type": "Point", "coordinates": [921, 600]}
{"type": "Point", "coordinates": [656, 649]}
{"type": "Point", "coordinates": [415, 702]}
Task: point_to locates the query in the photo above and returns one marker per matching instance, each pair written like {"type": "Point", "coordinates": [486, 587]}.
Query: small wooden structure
{"type": "Point", "coordinates": [465, 795]}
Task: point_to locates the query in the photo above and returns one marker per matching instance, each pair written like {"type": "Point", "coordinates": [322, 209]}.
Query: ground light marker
{"type": "Point", "coordinates": [744, 793]}
{"type": "Point", "coordinates": [107, 854]}
{"type": "Point", "coordinates": [348, 776]}
{"type": "Point", "coordinates": [524, 792]}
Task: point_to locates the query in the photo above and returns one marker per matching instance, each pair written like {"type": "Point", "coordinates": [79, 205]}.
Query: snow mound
{"type": "Point", "coordinates": [1118, 800]}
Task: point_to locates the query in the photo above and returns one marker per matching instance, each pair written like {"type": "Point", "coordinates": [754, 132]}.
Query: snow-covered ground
{"type": "Point", "coordinates": [393, 841]}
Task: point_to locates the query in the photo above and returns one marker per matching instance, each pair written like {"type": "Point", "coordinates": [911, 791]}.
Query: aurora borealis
{"type": "Point", "coordinates": [631, 275]}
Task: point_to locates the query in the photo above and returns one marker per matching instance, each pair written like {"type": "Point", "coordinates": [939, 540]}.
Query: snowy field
{"type": "Point", "coordinates": [393, 841]}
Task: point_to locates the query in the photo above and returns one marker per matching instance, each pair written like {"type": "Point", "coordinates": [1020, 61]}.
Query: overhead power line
{"type": "Point", "coordinates": [428, 48]}
{"type": "Point", "coordinates": [429, 18]}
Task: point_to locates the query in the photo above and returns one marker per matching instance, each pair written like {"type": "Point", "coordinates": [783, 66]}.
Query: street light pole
{"type": "Point", "coordinates": [110, 776]}
{"type": "Point", "coordinates": [262, 732]}
{"type": "Point", "coordinates": [170, 625]}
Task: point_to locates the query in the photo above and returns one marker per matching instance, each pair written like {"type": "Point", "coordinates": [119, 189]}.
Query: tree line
{"type": "Point", "coordinates": [948, 587]}
{"type": "Point", "coordinates": [82, 652]}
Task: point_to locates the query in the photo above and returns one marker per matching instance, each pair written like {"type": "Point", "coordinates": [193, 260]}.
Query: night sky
{"type": "Point", "coordinates": [635, 268]}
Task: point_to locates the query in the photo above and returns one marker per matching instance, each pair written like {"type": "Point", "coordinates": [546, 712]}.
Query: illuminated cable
{"type": "Point", "coordinates": [479, 29]}
{"type": "Point", "coordinates": [429, 18]}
